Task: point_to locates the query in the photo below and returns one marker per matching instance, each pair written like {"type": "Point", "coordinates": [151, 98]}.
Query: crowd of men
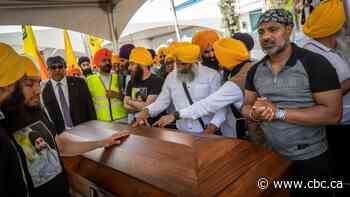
{"type": "Point", "coordinates": [297, 96]}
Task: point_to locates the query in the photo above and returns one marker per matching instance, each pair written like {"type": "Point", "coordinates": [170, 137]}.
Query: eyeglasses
{"type": "Point", "coordinates": [54, 67]}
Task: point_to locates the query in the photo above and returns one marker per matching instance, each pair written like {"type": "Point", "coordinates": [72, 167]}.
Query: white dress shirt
{"type": "Point", "coordinates": [229, 93]}
{"type": "Point", "coordinates": [341, 66]}
{"type": "Point", "coordinates": [106, 79]}
{"type": "Point", "coordinates": [206, 82]}
{"type": "Point", "coordinates": [64, 86]}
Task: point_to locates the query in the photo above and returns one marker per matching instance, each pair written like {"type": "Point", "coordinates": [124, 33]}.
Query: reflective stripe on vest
{"type": "Point", "coordinates": [106, 109]}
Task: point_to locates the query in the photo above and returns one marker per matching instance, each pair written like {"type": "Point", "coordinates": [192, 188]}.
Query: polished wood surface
{"type": "Point", "coordinates": [161, 162]}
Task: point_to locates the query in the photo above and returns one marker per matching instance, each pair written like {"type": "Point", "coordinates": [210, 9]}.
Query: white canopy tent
{"type": "Point", "coordinates": [102, 18]}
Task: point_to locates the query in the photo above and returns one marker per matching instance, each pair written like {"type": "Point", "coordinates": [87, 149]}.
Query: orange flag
{"type": "Point", "coordinates": [30, 48]}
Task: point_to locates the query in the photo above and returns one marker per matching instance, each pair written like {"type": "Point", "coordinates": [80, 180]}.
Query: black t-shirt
{"type": "Point", "coordinates": [11, 179]}
{"type": "Point", "coordinates": [32, 160]}
{"type": "Point", "coordinates": [140, 91]}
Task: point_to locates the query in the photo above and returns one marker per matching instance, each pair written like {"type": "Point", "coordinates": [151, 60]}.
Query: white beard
{"type": "Point", "coordinates": [187, 77]}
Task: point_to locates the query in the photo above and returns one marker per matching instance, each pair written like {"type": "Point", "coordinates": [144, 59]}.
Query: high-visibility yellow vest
{"type": "Point", "coordinates": [106, 109]}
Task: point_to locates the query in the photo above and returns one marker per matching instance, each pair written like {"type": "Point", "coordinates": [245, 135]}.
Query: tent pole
{"type": "Point", "coordinates": [111, 27]}
{"type": "Point", "coordinates": [177, 29]}
{"type": "Point", "coordinates": [347, 12]}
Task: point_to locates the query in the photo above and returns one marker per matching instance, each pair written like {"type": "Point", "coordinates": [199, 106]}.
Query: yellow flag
{"type": "Point", "coordinates": [94, 44]}
{"type": "Point", "coordinates": [69, 53]}
{"type": "Point", "coordinates": [30, 48]}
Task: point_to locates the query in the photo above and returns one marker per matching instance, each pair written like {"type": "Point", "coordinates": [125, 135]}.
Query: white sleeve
{"type": "Point", "coordinates": [220, 115]}
{"type": "Point", "coordinates": [229, 93]}
{"type": "Point", "coordinates": [163, 100]}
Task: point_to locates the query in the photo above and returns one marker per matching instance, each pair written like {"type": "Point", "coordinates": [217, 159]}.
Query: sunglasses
{"type": "Point", "coordinates": [54, 67]}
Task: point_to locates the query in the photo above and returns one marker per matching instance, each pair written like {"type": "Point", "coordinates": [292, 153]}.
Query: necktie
{"type": "Point", "coordinates": [65, 109]}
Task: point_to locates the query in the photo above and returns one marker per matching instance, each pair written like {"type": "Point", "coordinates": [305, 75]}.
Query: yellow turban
{"type": "Point", "coordinates": [205, 38]}
{"type": "Point", "coordinates": [230, 52]}
{"type": "Point", "coordinates": [187, 53]}
{"type": "Point", "coordinates": [169, 58]}
{"type": "Point", "coordinates": [326, 19]}
{"type": "Point", "coordinates": [163, 51]}
{"type": "Point", "coordinates": [31, 69]}
{"type": "Point", "coordinates": [142, 56]}
{"type": "Point", "coordinates": [115, 59]}
{"type": "Point", "coordinates": [11, 68]}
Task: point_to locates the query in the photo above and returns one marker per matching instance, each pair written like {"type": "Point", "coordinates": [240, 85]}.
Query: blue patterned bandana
{"type": "Point", "coordinates": [281, 16]}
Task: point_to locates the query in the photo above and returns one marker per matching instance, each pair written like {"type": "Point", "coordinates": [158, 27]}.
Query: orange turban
{"type": "Point", "coordinates": [205, 38]}
{"type": "Point", "coordinates": [230, 52]}
{"type": "Point", "coordinates": [115, 59]}
{"type": "Point", "coordinates": [74, 72]}
{"type": "Point", "coordinates": [101, 54]}
{"type": "Point", "coordinates": [140, 55]}
{"type": "Point", "coordinates": [326, 19]}
{"type": "Point", "coordinates": [31, 68]}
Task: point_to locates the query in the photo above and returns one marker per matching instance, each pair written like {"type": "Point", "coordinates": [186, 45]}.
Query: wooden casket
{"type": "Point", "coordinates": [160, 162]}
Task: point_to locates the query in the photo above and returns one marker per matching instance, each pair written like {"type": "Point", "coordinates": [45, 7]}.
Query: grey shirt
{"type": "Point", "coordinates": [304, 74]}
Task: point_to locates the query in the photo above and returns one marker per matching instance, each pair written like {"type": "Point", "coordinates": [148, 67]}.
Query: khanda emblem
{"type": "Point", "coordinates": [93, 42]}
{"type": "Point", "coordinates": [24, 30]}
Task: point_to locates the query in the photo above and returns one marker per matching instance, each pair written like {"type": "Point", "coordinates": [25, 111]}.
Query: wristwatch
{"type": "Point", "coordinates": [280, 114]}
{"type": "Point", "coordinates": [177, 115]}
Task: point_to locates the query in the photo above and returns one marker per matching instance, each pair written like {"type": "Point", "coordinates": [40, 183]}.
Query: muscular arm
{"type": "Point", "coordinates": [328, 110]}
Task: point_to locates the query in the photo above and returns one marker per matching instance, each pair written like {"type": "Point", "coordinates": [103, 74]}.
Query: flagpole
{"type": "Point", "coordinates": [176, 24]}
{"type": "Point", "coordinates": [86, 47]}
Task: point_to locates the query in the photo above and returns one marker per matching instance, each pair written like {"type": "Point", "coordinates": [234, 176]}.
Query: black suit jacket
{"type": "Point", "coordinates": [80, 103]}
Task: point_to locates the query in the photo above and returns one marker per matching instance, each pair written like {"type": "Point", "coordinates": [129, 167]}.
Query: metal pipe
{"type": "Point", "coordinates": [111, 27]}
{"type": "Point", "coordinates": [25, 6]}
{"type": "Point", "coordinates": [347, 12]}
{"type": "Point", "coordinates": [177, 29]}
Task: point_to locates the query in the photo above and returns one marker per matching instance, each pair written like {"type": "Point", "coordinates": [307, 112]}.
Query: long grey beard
{"type": "Point", "coordinates": [187, 77]}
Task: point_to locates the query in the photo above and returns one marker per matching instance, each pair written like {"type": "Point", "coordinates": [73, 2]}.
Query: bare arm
{"type": "Point", "coordinates": [140, 105]}
{"type": "Point", "coordinates": [69, 147]}
{"type": "Point", "coordinates": [345, 86]}
{"type": "Point", "coordinates": [328, 110]}
{"type": "Point", "coordinates": [249, 100]}
{"type": "Point", "coordinates": [128, 107]}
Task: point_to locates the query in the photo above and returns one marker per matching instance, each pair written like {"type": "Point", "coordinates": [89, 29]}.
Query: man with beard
{"type": "Point", "coordinates": [124, 74]}
{"type": "Point", "coordinates": [144, 87]}
{"type": "Point", "coordinates": [198, 81]}
{"type": "Point", "coordinates": [20, 102]}
{"type": "Point", "coordinates": [294, 93]}
{"type": "Point", "coordinates": [85, 66]}
{"type": "Point", "coordinates": [322, 30]}
{"type": "Point", "coordinates": [230, 53]}
{"type": "Point", "coordinates": [66, 99]}
{"type": "Point", "coordinates": [205, 40]}
{"type": "Point", "coordinates": [105, 90]}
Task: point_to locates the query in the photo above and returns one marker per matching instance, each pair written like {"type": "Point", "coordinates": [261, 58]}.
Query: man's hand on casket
{"type": "Point", "coordinates": [141, 119]}
{"type": "Point", "coordinates": [165, 120]}
{"type": "Point", "coordinates": [115, 139]}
